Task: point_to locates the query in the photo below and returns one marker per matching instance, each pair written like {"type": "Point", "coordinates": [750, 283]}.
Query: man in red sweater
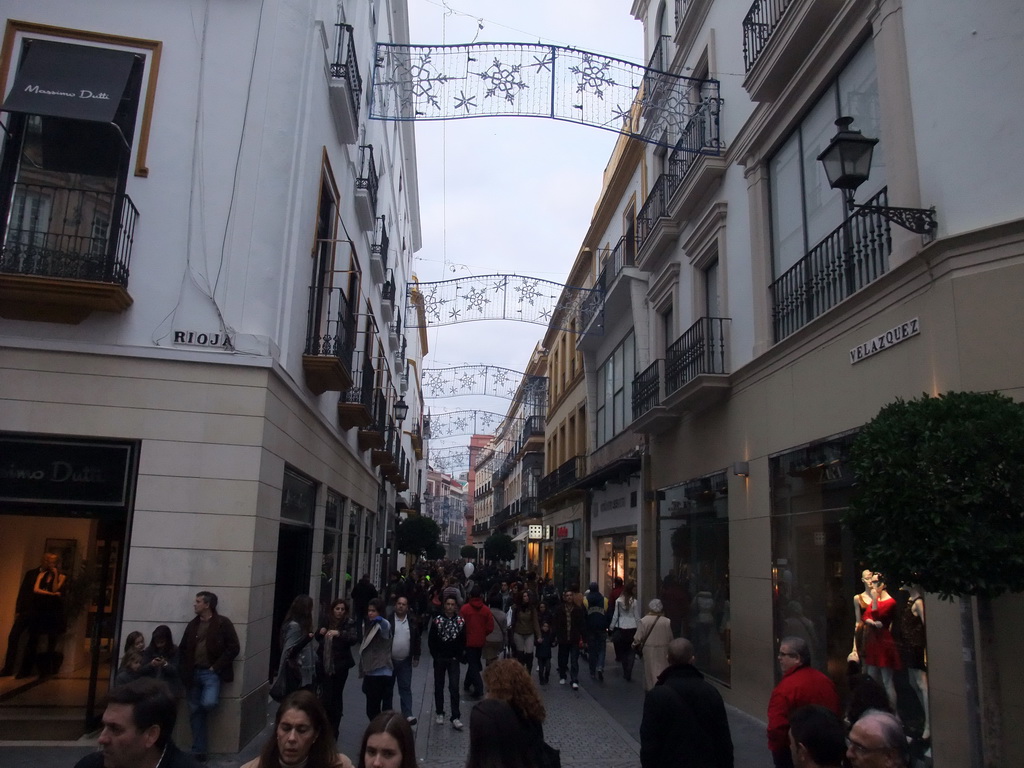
{"type": "Point", "coordinates": [801, 684]}
{"type": "Point", "coordinates": [479, 623]}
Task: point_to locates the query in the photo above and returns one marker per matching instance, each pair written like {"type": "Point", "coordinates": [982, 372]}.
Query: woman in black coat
{"type": "Point", "coordinates": [336, 640]}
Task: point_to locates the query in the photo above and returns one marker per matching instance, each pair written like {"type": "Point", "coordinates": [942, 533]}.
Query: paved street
{"type": "Point", "coordinates": [598, 725]}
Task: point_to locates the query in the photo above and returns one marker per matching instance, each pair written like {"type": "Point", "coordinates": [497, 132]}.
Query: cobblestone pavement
{"type": "Point", "coordinates": [598, 726]}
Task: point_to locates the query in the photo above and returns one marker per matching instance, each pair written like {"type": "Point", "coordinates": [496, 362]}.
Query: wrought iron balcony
{"type": "Point", "coordinates": [699, 138]}
{"type": "Point", "coordinates": [387, 298]}
{"type": "Point", "coordinates": [395, 329]}
{"type": "Point", "coordinates": [379, 251]}
{"type": "Point", "coordinates": [852, 256]}
{"type": "Point", "coordinates": [355, 406]}
{"type": "Point", "coordinates": [78, 240]}
{"type": "Point", "coordinates": [563, 478]}
{"type": "Point", "coordinates": [655, 207]}
{"type": "Point", "coordinates": [371, 436]}
{"type": "Point", "coordinates": [700, 350]}
{"type": "Point", "coordinates": [647, 389]}
{"type": "Point", "coordinates": [330, 340]}
{"type": "Point", "coordinates": [366, 188]}
{"type": "Point", "coordinates": [758, 25]}
{"type": "Point", "coordinates": [346, 85]}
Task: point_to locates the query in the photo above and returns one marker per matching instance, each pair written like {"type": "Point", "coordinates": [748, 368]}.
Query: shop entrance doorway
{"type": "Point", "coordinates": [294, 559]}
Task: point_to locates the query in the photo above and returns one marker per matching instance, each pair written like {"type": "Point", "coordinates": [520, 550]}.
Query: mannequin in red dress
{"type": "Point", "coordinates": [881, 656]}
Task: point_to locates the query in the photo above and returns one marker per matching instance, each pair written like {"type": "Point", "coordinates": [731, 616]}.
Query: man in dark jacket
{"type": "Point", "coordinates": [569, 625]}
{"type": "Point", "coordinates": [684, 722]}
{"type": "Point", "coordinates": [137, 726]}
{"type": "Point", "coordinates": [362, 593]}
{"type": "Point", "coordinates": [208, 650]}
{"type": "Point", "coordinates": [479, 623]}
{"type": "Point", "coordinates": [597, 630]}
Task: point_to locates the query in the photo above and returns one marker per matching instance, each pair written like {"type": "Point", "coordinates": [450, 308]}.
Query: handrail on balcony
{"type": "Point", "coordinates": [367, 178]}
{"type": "Point", "coordinates": [380, 244]}
{"type": "Point", "coordinates": [758, 26]}
{"type": "Point", "coordinates": [387, 289]}
{"type": "Point", "coordinates": [700, 136]}
{"type": "Point", "coordinates": [700, 350]}
{"type": "Point", "coordinates": [850, 257]}
{"type": "Point", "coordinates": [346, 66]}
{"type": "Point", "coordinates": [362, 390]}
{"type": "Point", "coordinates": [658, 60]}
{"type": "Point", "coordinates": [396, 326]}
{"type": "Point", "coordinates": [66, 232]}
{"type": "Point", "coordinates": [647, 389]}
{"type": "Point", "coordinates": [655, 206]}
{"type": "Point", "coordinates": [331, 330]}
{"type": "Point", "coordinates": [563, 477]}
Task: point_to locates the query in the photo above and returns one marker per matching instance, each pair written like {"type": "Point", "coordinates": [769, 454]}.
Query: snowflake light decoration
{"type": "Point", "coordinates": [504, 79]}
{"type": "Point", "coordinates": [593, 75]}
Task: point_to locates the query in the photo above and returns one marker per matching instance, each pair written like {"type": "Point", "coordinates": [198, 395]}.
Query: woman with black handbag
{"type": "Point", "coordinates": [298, 661]}
{"type": "Point", "coordinates": [337, 638]}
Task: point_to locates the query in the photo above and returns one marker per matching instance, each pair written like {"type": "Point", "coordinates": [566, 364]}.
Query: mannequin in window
{"type": "Point", "coordinates": [861, 602]}
{"type": "Point", "coordinates": [881, 657]}
{"type": "Point", "coordinates": [913, 649]}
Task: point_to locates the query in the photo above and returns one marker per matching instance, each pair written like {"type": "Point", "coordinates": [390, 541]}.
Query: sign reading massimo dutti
{"type": "Point", "coordinates": [65, 471]}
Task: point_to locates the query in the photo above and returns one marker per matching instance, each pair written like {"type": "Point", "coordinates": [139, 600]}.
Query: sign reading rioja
{"type": "Point", "coordinates": [65, 471]}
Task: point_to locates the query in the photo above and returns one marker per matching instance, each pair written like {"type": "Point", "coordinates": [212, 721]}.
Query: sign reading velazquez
{"type": "Point", "coordinates": [883, 341]}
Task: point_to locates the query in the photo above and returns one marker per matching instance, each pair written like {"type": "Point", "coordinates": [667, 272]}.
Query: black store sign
{"type": "Point", "coordinates": [65, 472]}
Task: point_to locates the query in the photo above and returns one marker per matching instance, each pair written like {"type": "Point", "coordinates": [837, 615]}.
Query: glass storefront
{"type": "Point", "coordinates": [618, 560]}
{"type": "Point", "coordinates": [64, 512]}
{"type": "Point", "coordinates": [821, 592]}
{"type": "Point", "coordinates": [693, 568]}
{"type": "Point", "coordinates": [567, 556]}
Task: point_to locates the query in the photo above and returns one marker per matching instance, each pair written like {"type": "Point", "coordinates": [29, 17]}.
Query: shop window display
{"type": "Point", "coordinates": [693, 565]}
{"type": "Point", "coordinates": [855, 623]}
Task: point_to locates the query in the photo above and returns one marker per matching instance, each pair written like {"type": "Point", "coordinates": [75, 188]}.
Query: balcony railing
{"type": "Point", "coordinates": [699, 137]}
{"type": "Point", "coordinates": [69, 233]}
{"type": "Point", "coordinates": [345, 65]}
{"type": "Point", "coordinates": [367, 179]}
{"type": "Point", "coordinates": [331, 329]}
{"type": "Point", "coordinates": [659, 54]}
{"type": "Point", "coordinates": [361, 392]}
{"type": "Point", "coordinates": [700, 350]}
{"type": "Point", "coordinates": [647, 389]}
{"type": "Point", "coordinates": [758, 26]}
{"type": "Point", "coordinates": [852, 256]}
{"type": "Point", "coordinates": [655, 206]}
{"type": "Point", "coordinates": [387, 290]}
{"type": "Point", "coordinates": [379, 248]}
{"type": "Point", "coordinates": [563, 477]}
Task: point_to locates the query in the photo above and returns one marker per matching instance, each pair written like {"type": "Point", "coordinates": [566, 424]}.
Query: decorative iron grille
{"type": "Point", "coordinates": [346, 66]}
{"type": "Point", "coordinates": [331, 330]}
{"type": "Point", "coordinates": [758, 26]}
{"type": "Point", "coordinates": [647, 389]}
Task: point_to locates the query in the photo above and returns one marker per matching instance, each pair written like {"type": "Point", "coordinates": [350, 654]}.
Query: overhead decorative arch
{"type": "Point", "coordinates": [508, 297]}
{"type": "Point", "coordinates": [484, 380]}
{"type": "Point", "coordinates": [445, 82]}
{"type": "Point", "coordinates": [465, 422]}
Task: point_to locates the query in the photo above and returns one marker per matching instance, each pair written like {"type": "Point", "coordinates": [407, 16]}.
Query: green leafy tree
{"type": "Point", "coordinates": [468, 551]}
{"type": "Point", "coordinates": [417, 535]}
{"type": "Point", "coordinates": [436, 552]}
{"type": "Point", "coordinates": [940, 503]}
{"type": "Point", "coordinates": [499, 546]}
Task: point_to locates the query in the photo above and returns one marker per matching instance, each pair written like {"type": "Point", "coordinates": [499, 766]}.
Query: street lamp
{"type": "Point", "coordinates": [847, 162]}
{"type": "Point", "coordinates": [401, 410]}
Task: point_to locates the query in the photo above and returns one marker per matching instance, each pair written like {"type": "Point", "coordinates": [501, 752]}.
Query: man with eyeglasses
{"type": "Point", "coordinates": [801, 685]}
{"type": "Point", "coordinates": [877, 740]}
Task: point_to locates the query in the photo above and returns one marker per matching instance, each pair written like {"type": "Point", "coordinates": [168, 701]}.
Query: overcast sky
{"type": "Point", "coordinates": [502, 194]}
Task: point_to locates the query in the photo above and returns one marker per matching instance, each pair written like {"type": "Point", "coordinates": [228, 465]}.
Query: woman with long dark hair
{"type": "Point", "coordinates": [302, 737]}
{"type": "Point", "coordinates": [296, 632]}
{"type": "Point", "coordinates": [388, 743]}
{"type": "Point", "coordinates": [337, 637]}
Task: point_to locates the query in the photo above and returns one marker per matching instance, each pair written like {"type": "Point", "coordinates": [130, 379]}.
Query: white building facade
{"type": "Point", "coordinates": [203, 299]}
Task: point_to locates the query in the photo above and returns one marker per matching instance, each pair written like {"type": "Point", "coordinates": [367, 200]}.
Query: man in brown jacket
{"type": "Point", "coordinates": [208, 649]}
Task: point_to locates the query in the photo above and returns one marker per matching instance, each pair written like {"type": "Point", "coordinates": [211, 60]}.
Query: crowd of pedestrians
{"type": "Point", "coordinates": [483, 636]}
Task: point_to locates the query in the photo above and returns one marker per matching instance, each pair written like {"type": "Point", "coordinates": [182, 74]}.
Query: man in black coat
{"type": "Point", "coordinates": [137, 726]}
{"type": "Point", "coordinates": [684, 722]}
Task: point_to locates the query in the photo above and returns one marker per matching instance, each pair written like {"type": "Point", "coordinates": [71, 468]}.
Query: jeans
{"type": "Point", "coordinates": [449, 667]}
{"type": "Point", "coordinates": [474, 683]}
{"type": "Point", "coordinates": [569, 657]}
{"type": "Point", "coordinates": [402, 669]}
{"type": "Point", "coordinates": [203, 696]}
{"type": "Point", "coordinates": [596, 650]}
{"type": "Point", "coordinates": [377, 688]}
